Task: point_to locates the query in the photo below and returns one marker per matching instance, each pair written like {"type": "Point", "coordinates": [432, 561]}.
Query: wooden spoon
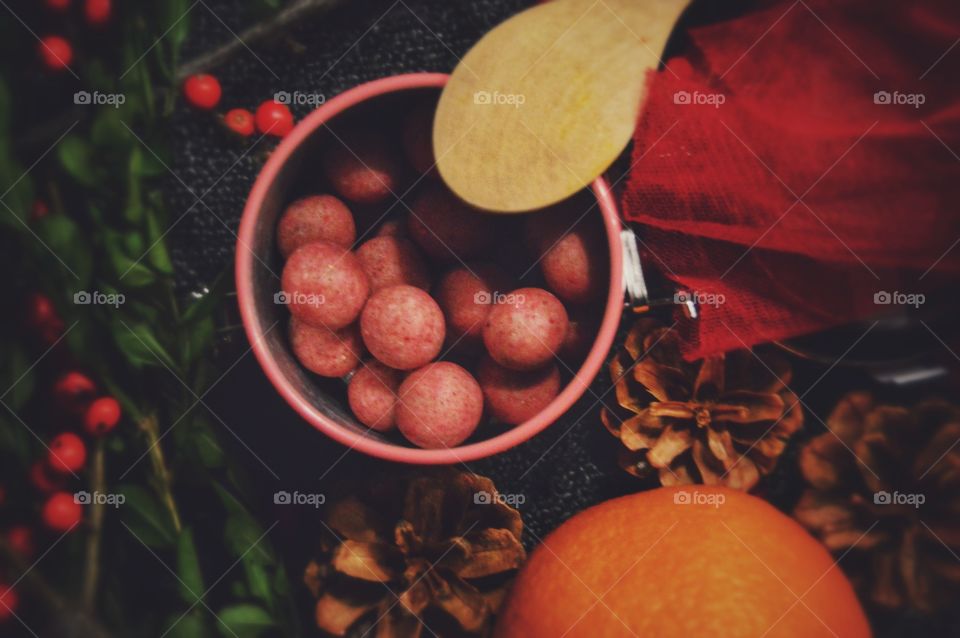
{"type": "Point", "coordinates": [546, 101]}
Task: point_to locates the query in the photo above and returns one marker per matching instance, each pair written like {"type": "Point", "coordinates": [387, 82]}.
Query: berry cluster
{"type": "Point", "coordinates": [202, 91]}
{"type": "Point", "coordinates": [77, 402]}
{"type": "Point", "coordinates": [56, 52]}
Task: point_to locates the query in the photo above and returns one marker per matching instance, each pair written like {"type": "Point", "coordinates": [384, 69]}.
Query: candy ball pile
{"type": "Point", "coordinates": [442, 320]}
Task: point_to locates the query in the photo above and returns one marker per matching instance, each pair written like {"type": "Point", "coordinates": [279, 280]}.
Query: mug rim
{"type": "Point", "coordinates": [245, 264]}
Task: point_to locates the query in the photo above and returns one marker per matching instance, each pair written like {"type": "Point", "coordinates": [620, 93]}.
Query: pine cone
{"type": "Point", "coordinates": [723, 420]}
{"type": "Point", "coordinates": [884, 487]}
{"type": "Point", "coordinates": [432, 553]}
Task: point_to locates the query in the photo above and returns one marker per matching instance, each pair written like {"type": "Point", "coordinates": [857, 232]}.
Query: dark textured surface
{"type": "Point", "coordinates": [362, 42]}
{"type": "Point", "coordinates": [558, 473]}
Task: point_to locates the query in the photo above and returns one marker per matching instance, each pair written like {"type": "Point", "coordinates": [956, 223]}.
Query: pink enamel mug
{"type": "Point", "coordinates": [321, 402]}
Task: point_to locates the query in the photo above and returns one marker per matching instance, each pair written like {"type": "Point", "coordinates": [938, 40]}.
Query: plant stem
{"type": "Point", "coordinates": [164, 482]}
{"type": "Point", "coordinates": [81, 623]}
{"type": "Point", "coordinates": [40, 136]}
{"type": "Point", "coordinates": [91, 572]}
{"type": "Point", "coordinates": [295, 12]}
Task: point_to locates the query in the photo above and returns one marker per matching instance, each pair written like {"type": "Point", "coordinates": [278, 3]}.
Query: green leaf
{"type": "Point", "coordinates": [243, 533]}
{"type": "Point", "coordinates": [151, 166]}
{"type": "Point", "coordinates": [244, 536]}
{"type": "Point", "coordinates": [207, 447]}
{"type": "Point", "coordinates": [13, 181]}
{"type": "Point", "coordinates": [17, 377]}
{"type": "Point", "coordinates": [134, 208]}
{"type": "Point", "coordinates": [190, 626]}
{"type": "Point", "coordinates": [15, 440]}
{"type": "Point", "coordinates": [140, 346]}
{"type": "Point", "coordinates": [63, 238]}
{"type": "Point", "coordinates": [188, 568]}
{"type": "Point", "coordinates": [178, 15]}
{"type": "Point", "coordinates": [158, 256]}
{"type": "Point", "coordinates": [280, 583]}
{"type": "Point", "coordinates": [244, 621]}
{"type": "Point", "coordinates": [147, 518]}
{"type": "Point", "coordinates": [149, 309]}
{"type": "Point", "coordinates": [108, 130]}
{"type": "Point", "coordinates": [116, 444]}
{"type": "Point", "coordinates": [126, 253]}
{"type": "Point", "coordinates": [259, 580]}
{"type": "Point", "coordinates": [198, 339]}
{"type": "Point", "coordinates": [209, 302]}
{"type": "Point", "coordinates": [137, 275]}
{"type": "Point", "coordinates": [77, 159]}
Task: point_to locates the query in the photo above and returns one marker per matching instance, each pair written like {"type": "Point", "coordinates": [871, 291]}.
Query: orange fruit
{"type": "Point", "coordinates": [678, 562]}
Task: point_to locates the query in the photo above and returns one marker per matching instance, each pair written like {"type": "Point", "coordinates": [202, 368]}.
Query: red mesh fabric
{"type": "Point", "coordinates": [714, 187]}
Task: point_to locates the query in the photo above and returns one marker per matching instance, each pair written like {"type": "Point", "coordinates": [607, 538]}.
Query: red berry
{"type": "Point", "coordinates": [67, 453]}
{"type": "Point", "coordinates": [40, 312]}
{"type": "Point", "coordinates": [240, 121]}
{"type": "Point", "coordinates": [73, 391]}
{"type": "Point", "coordinates": [39, 210]}
{"type": "Point", "coordinates": [61, 512]}
{"type": "Point", "coordinates": [20, 540]}
{"type": "Point", "coordinates": [3, 495]}
{"type": "Point", "coordinates": [42, 319]}
{"type": "Point", "coordinates": [45, 481]}
{"type": "Point", "coordinates": [55, 52]}
{"type": "Point", "coordinates": [8, 602]}
{"type": "Point", "coordinates": [274, 118]}
{"type": "Point", "coordinates": [202, 91]}
{"type": "Point", "coordinates": [97, 12]}
{"type": "Point", "coordinates": [57, 5]}
{"type": "Point", "coordinates": [102, 416]}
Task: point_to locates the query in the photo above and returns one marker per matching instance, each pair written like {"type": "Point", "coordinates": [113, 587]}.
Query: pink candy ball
{"type": "Point", "coordinates": [526, 330]}
{"type": "Point", "coordinates": [466, 296]}
{"type": "Point", "coordinates": [575, 259]}
{"type": "Point", "coordinates": [319, 217]}
{"type": "Point", "coordinates": [392, 228]}
{"type": "Point", "coordinates": [513, 396]}
{"type": "Point", "coordinates": [324, 285]}
{"type": "Point", "coordinates": [581, 333]}
{"type": "Point", "coordinates": [361, 168]}
{"type": "Point", "coordinates": [402, 327]}
{"type": "Point", "coordinates": [372, 395]}
{"type": "Point", "coordinates": [393, 261]}
{"type": "Point", "coordinates": [418, 138]}
{"type": "Point", "coordinates": [329, 353]}
{"type": "Point", "coordinates": [440, 406]}
{"type": "Point", "coordinates": [446, 228]}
